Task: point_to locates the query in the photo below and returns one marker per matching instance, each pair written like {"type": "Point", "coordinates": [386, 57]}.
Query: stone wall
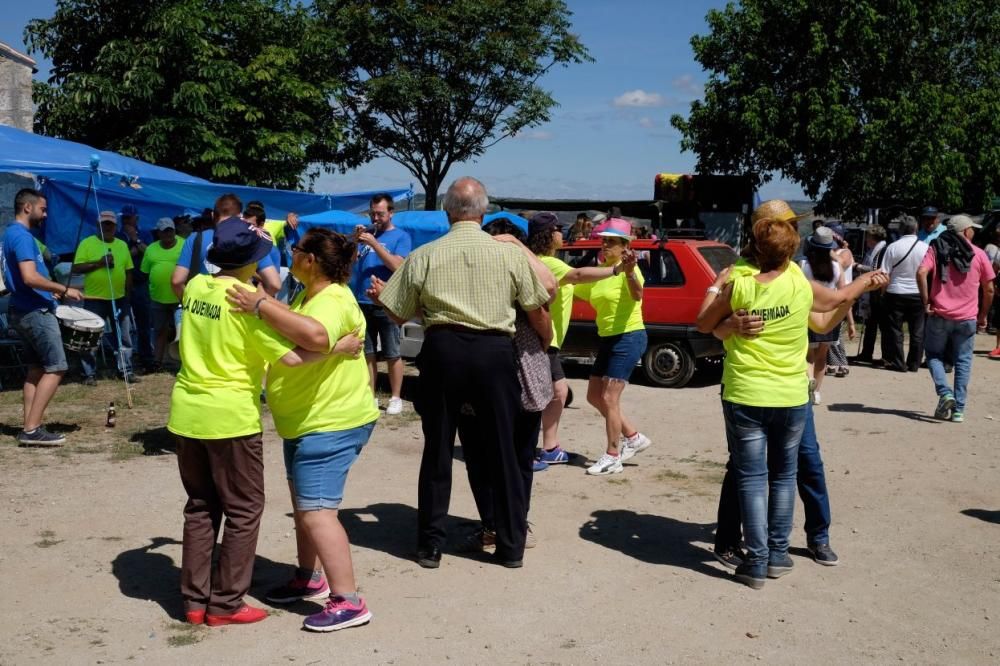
{"type": "Point", "coordinates": [16, 73]}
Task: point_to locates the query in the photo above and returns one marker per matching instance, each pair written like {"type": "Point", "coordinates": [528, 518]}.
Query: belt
{"type": "Point", "coordinates": [456, 328]}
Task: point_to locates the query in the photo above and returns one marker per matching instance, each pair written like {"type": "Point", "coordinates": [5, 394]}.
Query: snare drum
{"type": "Point", "coordinates": [81, 329]}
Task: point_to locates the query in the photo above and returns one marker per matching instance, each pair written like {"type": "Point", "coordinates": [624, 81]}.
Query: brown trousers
{"type": "Point", "coordinates": [222, 477]}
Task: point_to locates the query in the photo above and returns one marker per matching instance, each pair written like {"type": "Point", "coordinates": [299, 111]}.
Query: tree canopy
{"type": "Point", "coordinates": [223, 89]}
{"type": "Point", "coordinates": [861, 102]}
{"type": "Point", "coordinates": [434, 83]}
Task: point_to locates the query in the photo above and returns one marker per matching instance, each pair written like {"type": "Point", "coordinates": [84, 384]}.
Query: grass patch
{"type": "Point", "coordinates": [47, 539]}
{"type": "Point", "coordinates": [670, 475]}
{"type": "Point", "coordinates": [618, 481]}
{"type": "Point", "coordinates": [185, 634]}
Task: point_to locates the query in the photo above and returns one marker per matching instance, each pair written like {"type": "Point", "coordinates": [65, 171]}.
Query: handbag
{"type": "Point", "coordinates": [533, 369]}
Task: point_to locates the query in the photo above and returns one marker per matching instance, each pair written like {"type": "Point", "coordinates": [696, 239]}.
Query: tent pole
{"type": "Point", "coordinates": [95, 160]}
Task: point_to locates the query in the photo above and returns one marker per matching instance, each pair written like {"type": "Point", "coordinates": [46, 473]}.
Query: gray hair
{"type": "Point", "coordinates": [908, 225]}
{"type": "Point", "coordinates": [466, 199]}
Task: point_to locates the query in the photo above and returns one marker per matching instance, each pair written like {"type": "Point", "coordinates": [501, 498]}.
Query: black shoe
{"type": "Point", "coordinates": [429, 558]}
{"type": "Point", "coordinates": [505, 562]}
{"type": "Point", "coordinates": [823, 554]}
{"type": "Point", "coordinates": [731, 558]}
{"type": "Point", "coordinates": [779, 566]}
{"type": "Point", "coordinates": [912, 368]}
{"type": "Point", "coordinates": [751, 576]}
{"type": "Point", "coordinates": [39, 437]}
{"type": "Point", "coordinates": [867, 360]}
{"type": "Point", "coordinates": [878, 364]}
{"type": "Point", "coordinates": [89, 381]}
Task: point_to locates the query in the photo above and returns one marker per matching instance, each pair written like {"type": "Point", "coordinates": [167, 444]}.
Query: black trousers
{"type": "Point", "coordinates": [873, 325]}
{"type": "Point", "coordinates": [458, 367]}
{"type": "Point", "coordinates": [900, 309]}
{"type": "Point", "coordinates": [526, 430]}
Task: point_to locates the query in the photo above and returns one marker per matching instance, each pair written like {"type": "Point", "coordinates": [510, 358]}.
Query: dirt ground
{"type": "Point", "coordinates": [622, 572]}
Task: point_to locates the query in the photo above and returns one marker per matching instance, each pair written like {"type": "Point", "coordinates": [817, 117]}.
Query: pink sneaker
{"type": "Point", "coordinates": [995, 353]}
{"type": "Point", "coordinates": [299, 589]}
{"type": "Point", "coordinates": [338, 614]}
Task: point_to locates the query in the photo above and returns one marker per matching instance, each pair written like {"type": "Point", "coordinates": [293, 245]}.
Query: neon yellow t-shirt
{"type": "Point", "coordinates": [562, 306]}
{"type": "Point", "coordinates": [770, 370]}
{"type": "Point", "coordinates": [95, 283]}
{"type": "Point", "coordinates": [159, 262]}
{"type": "Point", "coordinates": [276, 229]}
{"type": "Point", "coordinates": [328, 395]}
{"type": "Point", "coordinates": [617, 313]}
{"type": "Point", "coordinates": [223, 357]}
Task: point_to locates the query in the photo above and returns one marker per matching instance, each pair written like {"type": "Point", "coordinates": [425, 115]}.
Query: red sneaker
{"type": "Point", "coordinates": [245, 615]}
{"type": "Point", "coordinates": [995, 353]}
{"type": "Point", "coordinates": [195, 616]}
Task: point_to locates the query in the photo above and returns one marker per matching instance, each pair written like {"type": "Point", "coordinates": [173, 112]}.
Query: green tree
{"type": "Point", "coordinates": [859, 101]}
{"type": "Point", "coordinates": [231, 90]}
{"type": "Point", "coordinates": [439, 82]}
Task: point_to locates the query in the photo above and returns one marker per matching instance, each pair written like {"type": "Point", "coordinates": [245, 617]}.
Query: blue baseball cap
{"type": "Point", "coordinates": [237, 244]}
{"type": "Point", "coordinates": [929, 211]}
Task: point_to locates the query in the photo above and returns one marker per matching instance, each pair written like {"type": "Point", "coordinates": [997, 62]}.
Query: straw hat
{"type": "Point", "coordinates": [775, 209]}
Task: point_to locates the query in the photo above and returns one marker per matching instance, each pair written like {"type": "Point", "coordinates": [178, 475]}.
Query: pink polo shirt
{"type": "Point", "coordinates": [958, 298]}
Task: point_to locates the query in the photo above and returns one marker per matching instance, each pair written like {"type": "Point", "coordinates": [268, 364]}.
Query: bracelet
{"type": "Point", "coordinates": [713, 290]}
{"type": "Point", "coordinates": [256, 307]}
{"type": "Point", "coordinates": [614, 270]}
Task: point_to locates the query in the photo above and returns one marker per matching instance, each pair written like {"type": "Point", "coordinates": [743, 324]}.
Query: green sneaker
{"type": "Point", "coordinates": [957, 417]}
{"type": "Point", "coordinates": [946, 404]}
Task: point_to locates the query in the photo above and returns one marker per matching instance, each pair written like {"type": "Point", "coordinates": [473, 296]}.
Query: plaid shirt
{"type": "Point", "coordinates": [467, 279]}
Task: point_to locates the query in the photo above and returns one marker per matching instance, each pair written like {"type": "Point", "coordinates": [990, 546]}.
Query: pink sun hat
{"type": "Point", "coordinates": [615, 227]}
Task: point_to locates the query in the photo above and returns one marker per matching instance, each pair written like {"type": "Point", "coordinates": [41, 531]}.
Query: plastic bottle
{"type": "Point", "coordinates": [112, 418]}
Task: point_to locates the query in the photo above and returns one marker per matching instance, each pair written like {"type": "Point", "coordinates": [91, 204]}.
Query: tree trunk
{"type": "Point", "coordinates": [431, 191]}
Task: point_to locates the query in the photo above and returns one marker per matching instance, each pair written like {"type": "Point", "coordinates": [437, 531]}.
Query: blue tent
{"type": "Point", "coordinates": [423, 226]}
{"type": "Point", "coordinates": [64, 169]}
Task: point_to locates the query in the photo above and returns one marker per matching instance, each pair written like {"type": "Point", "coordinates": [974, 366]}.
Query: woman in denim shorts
{"type": "Point", "coordinates": [618, 302]}
{"type": "Point", "coordinates": [325, 412]}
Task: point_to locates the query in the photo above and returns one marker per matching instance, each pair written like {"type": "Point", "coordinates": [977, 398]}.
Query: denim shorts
{"type": "Point", "coordinates": [378, 326]}
{"type": "Point", "coordinates": [43, 345]}
{"type": "Point", "coordinates": [317, 465]}
{"type": "Point", "coordinates": [618, 355]}
{"type": "Point", "coordinates": [162, 315]}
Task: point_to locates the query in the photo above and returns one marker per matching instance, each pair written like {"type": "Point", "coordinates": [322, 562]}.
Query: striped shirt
{"type": "Point", "coordinates": [464, 278]}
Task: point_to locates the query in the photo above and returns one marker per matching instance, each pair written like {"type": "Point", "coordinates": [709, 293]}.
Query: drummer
{"type": "Point", "coordinates": [106, 264]}
{"type": "Point", "coordinates": [31, 311]}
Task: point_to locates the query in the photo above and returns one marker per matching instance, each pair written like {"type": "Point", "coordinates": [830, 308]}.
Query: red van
{"type": "Point", "coordinates": [677, 273]}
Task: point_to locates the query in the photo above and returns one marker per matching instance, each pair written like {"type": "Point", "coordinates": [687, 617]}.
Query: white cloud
{"type": "Point", "coordinates": [639, 98]}
{"type": "Point", "coordinates": [533, 135]}
{"type": "Point", "coordinates": [687, 85]}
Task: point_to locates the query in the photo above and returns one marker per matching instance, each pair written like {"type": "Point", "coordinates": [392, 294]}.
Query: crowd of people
{"type": "Point", "coordinates": [489, 368]}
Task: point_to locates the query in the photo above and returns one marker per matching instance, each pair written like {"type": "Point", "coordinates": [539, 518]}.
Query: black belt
{"type": "Point", "coordinates": [465, 329]}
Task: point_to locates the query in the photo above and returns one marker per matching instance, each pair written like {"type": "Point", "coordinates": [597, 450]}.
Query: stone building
{"type": "Point", "coordinates": [16, 110]}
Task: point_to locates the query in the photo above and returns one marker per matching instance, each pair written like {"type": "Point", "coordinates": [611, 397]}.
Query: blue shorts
{"type": "Point", "coordinates": [317, 465]}
{"type": "Point", "coordinates": [378, 326]}
{"type": "Point", "coordinates": [618, 355]}
{"type": "Point", "coordinates": [41, 338]}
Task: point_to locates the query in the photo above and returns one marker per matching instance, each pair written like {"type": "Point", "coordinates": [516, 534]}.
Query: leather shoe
{"type": "Point", "coordinates": [429, 558]}
{"type": "Point", "coordinates": [505, 562]}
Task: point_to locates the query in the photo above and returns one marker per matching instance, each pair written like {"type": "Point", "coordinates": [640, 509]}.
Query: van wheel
{"type": "Point", "coordinates": [669, 364]}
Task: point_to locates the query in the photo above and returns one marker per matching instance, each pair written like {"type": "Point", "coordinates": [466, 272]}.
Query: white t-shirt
{"type": "Point", "coordinates": [903, 278]}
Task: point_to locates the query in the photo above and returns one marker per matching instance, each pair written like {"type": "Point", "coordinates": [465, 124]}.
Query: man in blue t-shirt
{"type": "Point", "coordinates": [930, 225]}
{"type": "Point", "coordinates": [381, 250]}
{"type": "Point", "coordinates": [32, 313]}
{"type": "Point", "coordinates": [226, 206]}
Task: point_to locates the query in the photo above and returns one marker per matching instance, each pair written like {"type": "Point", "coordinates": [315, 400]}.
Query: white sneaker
{"type": "Point", "coordinates": [817, 399]}
{"type": "Point", "coordinates": [395, 406]}
{"type": "Point", "coordinates": [606, 464]}
{"type": "Point", "coordinates": [630, 447]}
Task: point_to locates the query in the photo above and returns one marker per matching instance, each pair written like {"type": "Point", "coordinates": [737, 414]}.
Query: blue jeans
{"type": "Point", "coordinates": [962, 335]}
{"type": "Point", "coordinates": [811, 481]}
{"type": "Point", "coordinates": [110, 338]}
{"type": "Point", "coordinates": [317, 464]}
{"type": "Point", "coordinates": [764, 445]}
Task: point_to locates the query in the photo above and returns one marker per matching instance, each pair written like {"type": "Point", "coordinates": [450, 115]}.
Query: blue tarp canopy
{"type": "Point", "coordinates": [423, 226]}
{"type": "Point", "coordinates": [64, 169]}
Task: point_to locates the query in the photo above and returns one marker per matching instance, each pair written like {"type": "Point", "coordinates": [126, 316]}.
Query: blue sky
{"type": "Point", "coordinates": [611, 133]}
